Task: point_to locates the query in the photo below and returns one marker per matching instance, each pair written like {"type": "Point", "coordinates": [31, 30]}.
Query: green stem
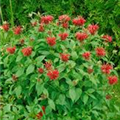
{"type": "Point", "coordinates": [12, 19]}
{"type": "Point", "coordinates": [1, 14]}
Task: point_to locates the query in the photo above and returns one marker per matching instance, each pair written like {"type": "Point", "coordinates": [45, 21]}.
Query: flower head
{"type": "Point", "coordinates": [40, 70]}
{"type": "Point", "coordinates": [64, 18]}
{"type": "Point", "coordinates": [106, 68]}
{"type": "Point", "coordinates": [64, 57]}
{"type": "Point", "coordinates": [41, 28]}
{"type": "Point", "coordinates": [51, 41]}
{"type": "Point", "coordinates": [63, 36]}
{"type": "Point", "coordinates": [86, 55]}
{"type": "Point", "coordinates": [107, 38]}
{"type": "Point", "coordinates": [46, 19]}
{"type": "Point", "coordinates": [100, 52]}
{"type": "Point", "coordinates": [40, 114]}
{"type": "Point", "coordinates": [5, 27]}
{"type": "Point", "coordinates": [11, 50]}
{"type": "Point", "coordinates": [79, 21]}
{"type": "Point", "coordinates": [81, 36]}
{"type": "Point", "coordinates": [27, 51]}
{"type": "Point", "coordinates": [17, 30]}
{"type": "Point", "coordinates": [93, 29]}
{"type": "Point", "coordinates": [112, 79]}
{"type": "Point", "coordinates": [48, 65]}
{"type": "Point", "coordinates": [53, 74]}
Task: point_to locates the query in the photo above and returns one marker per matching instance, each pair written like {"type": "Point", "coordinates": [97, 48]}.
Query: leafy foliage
{"type": "Point", "coordinates": [66, 87]}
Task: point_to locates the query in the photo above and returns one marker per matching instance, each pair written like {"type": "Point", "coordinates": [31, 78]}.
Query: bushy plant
{"type": "Point", "coordinates": [57, 70]}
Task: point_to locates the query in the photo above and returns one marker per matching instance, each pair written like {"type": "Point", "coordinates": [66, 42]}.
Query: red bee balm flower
{"type": "Point", "coordinates": [34, 23]}
{"type": "Point", "coordinates": [86, 55]}
{"type": "Point", "coordinates": [27, 51]}
{"type": "Point", "coordinates": [65, 25]}
{"type": "Point", "coordinates": [90, 70]}
{"type": "Point", "coordinates": [5, 27]}
{"type": "Point", "coordinates": [41, 28]}
{"type": "Point", "coordinates": [48, 65]}
{"type": "Point", "coordinates": [107, 38]}
{"type": "Point", "coordinates": [46, 19]}
{"type": "Point", "coordinates": [100, 52]}
{"type": "Point", "coordinates": [108, 97]}
{"type": "Point", "coordinates": [112, 80]}
{"type": "Point", "coordinates": [40, 114]}
{"type": "Point", "coordinates": [64, 57]}
{"type": "Point", "coordinates": [79, 21]}
{"type": "Point", "coordinates": [81, 36]}
{"type": "Point", "coordinates": [106, 68]}
{"type": "Point", "coordinates": [93, 29]}
{"type": "Point", "coordinates": [11, 50]}
{"type": "Point", "coordinates": [17, 30]}
{"type": "Point", "coordinates": [51, 41]}
{"type": "Point", "coordinates": [63, 36]}
{"type": "Point", "coordinates": [53, 74]}
{"type": "Point", "coordinates": [64, 18]}
{"type": "Point", "coordinates": [14, 77]}
{"type": "Point", "coordinates": [40, 70]}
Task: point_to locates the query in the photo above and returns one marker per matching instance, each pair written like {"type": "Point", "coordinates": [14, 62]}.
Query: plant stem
{"type": "Point", "coordinates": [12, 19]}
{"type": "Point", "coordinates": [1, 15]}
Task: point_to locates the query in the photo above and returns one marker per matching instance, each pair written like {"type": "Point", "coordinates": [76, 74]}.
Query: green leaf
{"type": "Point", "coordinates": [39, 88]}
{"type": "Point", "coordinates": [72, 94]}
{"type": "Point", "coordinates": [30, 69]}
{"type": "Point", "coordinates": [20, 72]}
{"type": "Point", "coordinates": [74, 55]}
{"type": "Point", "coordinates": [85, 98]}
{"type": "Point", "coordinates": [18, 91]}
{"type": "Point", "coordinates": [61, 99]}
{"type": "Point", "coordinates": [51, 103]}
{"type": "Point", "coordinates": [78, 93]}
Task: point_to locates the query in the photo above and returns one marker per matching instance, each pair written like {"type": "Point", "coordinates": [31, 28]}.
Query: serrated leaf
{"type": "Point", "coordinates": [18, 91]}
{"type": "Point", "coordinates": [39, 88]}
{"type": "Point", "coordinates": [72, 94]}
{"type": "Point", "coordinates": [30, 69]}
{"type": "Point", "coordinates": [85, 98]}
{"type": "Point", "coordinates": [51, 103]}
{"type": "Point", "coordinates": [78, 93]}
{"type": "Point", "coordinates": [20, 72]}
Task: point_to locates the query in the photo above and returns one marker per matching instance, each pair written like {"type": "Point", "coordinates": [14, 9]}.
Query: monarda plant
{"type": "Point", "coordinates": [56, 70]}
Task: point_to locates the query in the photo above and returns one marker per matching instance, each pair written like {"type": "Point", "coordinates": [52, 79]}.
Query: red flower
{"type": "Point", "coordinates": [93, 28]}
{"type": "Point", "coordinates": [41, 28]}
{"type": "Point", "coordinates": [65, 25]}
{"type": "Point", "coordinates": [46, 19]}
{"type": "Point", "coordinates": [86, 55]}
{"type": "Point", "coordinates": [34, 23]}
{"type": "Point", "coordinates": [48, 65]}
{"type": "Point", "coordinates": [17, 30]}
{"type": "Point", "coordinates": [22, 41]}
{"type": "Point", "coordinates": [107, 38]}
{"type": "Point", "coordinates": [64, 18]}
{"type": "Point", "coordinates": [108, 97]}
{"type": "Point", "coordinates": [100, 52]}
{"type": "Point", "coordinates": [63, 36]}
{"type": "Point", "coordinates": [106, 68]}
{"type": "Point", "coordinates": [81, 36]}
{"type": "Point", "coordinates": [40, 70]}
{"type": "Point", "coordinates": [90, 70]}
{"type": "Point", "coordinates": [40, 114]}
{"type": "Point", "coordinates": [11, 50]}
{"type": "Point", "coordinates": [27, 51]}
{"type": "Point", "coordinates": [51, 41]}
{"type": "Point", "coordinates": [112, 80]}
{"type": "Point", "coordinates": [79, 21]}
{"type": "Point", "coordinates": [53, 74]}
{"type": "Point", "coordinates": [5, 27]}
{"type": "Point", "coordinates": [14, 77]}
{"type": "Point", "coordinates": [64, 57]}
